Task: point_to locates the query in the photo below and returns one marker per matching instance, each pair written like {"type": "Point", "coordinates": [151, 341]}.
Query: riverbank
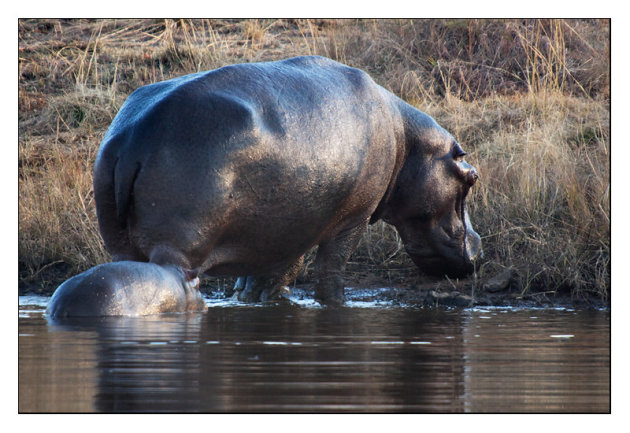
{"type": "Point", "coordinates": [501, 290]}
{"type": "Point", "coordinates": [528, 99]}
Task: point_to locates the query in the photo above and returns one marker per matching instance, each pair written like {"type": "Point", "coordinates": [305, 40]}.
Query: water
{"type": "Point", "coordinates": [368, 357]}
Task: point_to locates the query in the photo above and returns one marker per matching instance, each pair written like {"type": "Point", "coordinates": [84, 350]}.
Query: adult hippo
{"type": "Point", "coordinates": [127, 289]}
{"type": "Point", "coordinates": [241, 170]}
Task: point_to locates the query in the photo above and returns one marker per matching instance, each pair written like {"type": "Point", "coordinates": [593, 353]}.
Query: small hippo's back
{"type": "Point", "coordinates": [118, 289]}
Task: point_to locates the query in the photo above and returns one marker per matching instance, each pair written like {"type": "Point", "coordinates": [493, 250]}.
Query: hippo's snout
{"type": "Point", "coordinates": [448, 259]}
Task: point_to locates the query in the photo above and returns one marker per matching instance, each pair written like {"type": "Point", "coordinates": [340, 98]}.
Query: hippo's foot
{"type": "Point", "coordinates": [259, 289]}
{"type": "Point", "coordinates": [330, 263]}
{"type": "Point", "coordinates": [267, 288]}
{"type": "Point", "coordinates": [329, 291]}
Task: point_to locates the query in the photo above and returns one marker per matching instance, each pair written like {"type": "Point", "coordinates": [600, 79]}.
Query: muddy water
{"type": "Point", "coordinates": [366, 357]}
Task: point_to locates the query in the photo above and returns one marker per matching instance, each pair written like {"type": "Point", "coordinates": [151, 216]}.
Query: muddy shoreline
{"type": "Point", "coordinates": [502, 290]}
{"type": "Point", "coordinates": [427, 296]}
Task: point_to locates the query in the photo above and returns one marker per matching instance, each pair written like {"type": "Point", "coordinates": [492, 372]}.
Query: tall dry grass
{"type": "Point", "coordinates": [544, 200]}
{"type": "Point", "coordinates": [56, 208]}
{"type": "Point", "coordinates": [529, 100]}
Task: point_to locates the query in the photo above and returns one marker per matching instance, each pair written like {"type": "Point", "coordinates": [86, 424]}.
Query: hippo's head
{"type": "Point", "coordinates": [189, 279]}
{"type": "Point", "coordinates": [428, 204]}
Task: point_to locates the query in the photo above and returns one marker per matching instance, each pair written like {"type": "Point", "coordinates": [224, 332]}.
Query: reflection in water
{"type": "Point", "coordinates": [295, 359]}
{"type": "Point", "coordinates": [57, 371]}
{"type": "Point", "coordinates": [540, 367]}
{"type": "Point", "coordinates": [333, 360]}
{"type": "Point", "coordinates": [146, 363]}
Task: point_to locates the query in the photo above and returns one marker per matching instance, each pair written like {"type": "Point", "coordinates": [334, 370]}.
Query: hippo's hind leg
{"type": "Point", "coordinates": [267, 287]}
{"type": "Point", "coordinates": [112, 223]}
{"type": "Point", "coordinates": [115, 236]}
{"type": "Point", "coordinates": [330, 263]}
{"type": "Point", "coordinates": [164, 255]}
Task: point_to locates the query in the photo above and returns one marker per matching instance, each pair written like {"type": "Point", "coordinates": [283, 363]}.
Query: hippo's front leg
{"type": "Point", "coordinates": [330, 264]}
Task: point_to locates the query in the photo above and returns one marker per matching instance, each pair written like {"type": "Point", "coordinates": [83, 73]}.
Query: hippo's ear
{"type": "Point", "coordinates": [190, 274]}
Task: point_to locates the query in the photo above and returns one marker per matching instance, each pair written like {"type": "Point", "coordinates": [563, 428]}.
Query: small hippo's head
{"type": "Point", "coordinates": [190, 283]}
{"type": "Point", "coordinates": [191, 279]}
{"type": "Point", "coordinates": [188, 278]}
{"type": "Point", "coordinates": [428, 206]}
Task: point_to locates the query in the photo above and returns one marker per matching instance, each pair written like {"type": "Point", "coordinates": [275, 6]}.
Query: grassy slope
{"type": "Point", "coordinates": [528, 99]}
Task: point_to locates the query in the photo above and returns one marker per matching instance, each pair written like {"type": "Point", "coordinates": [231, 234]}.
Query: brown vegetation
{"type": "Point", "coordinates": [529, 100]}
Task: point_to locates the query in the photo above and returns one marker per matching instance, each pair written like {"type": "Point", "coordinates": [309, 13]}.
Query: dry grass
{"type": "Point", "coordinates": [56, 207]}
{"type": "Point", "coordinates": [544, 200]}
{"type": "Point", "coordinates": [529, 100]}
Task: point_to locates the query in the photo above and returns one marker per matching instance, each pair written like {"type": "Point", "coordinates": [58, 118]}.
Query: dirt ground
{"type": "Point", "coordinates": [467, 294]}
{"type": "Point", "coordinates": [500, 290]}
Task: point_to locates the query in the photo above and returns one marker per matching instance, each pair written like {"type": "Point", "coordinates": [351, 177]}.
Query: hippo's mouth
{"type": "Point", "coordinates": [438, 266]}
{"type": "Point", "coordinates": [444, 256]}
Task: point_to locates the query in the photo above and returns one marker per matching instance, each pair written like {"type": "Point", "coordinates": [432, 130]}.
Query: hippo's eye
{"type": "Point", "coordinates": [458, 152]}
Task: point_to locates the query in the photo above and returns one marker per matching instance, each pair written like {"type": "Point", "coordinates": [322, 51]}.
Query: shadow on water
{"type": "Point", "coordinates": [291, 358]}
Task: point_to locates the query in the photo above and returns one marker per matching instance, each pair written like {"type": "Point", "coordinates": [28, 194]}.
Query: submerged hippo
{"type": "Point", "coordinates": [241, 170]}
{"type": "Point", "coordinates": [127, 289]}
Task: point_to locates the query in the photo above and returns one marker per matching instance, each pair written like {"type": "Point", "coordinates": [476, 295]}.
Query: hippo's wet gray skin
{"type": "Point", "coordinates": [241, 170]}
{"type": "Point", "coordinates": [127, 289]}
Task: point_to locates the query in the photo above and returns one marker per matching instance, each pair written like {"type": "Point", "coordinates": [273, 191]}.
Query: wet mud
{"type": "Point", "coordinates": [503, 288]}
{"type": "Point", "coordinates": [439, 297]}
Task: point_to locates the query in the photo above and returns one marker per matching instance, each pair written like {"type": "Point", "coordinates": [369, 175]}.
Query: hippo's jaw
{"type": "Point", "coordinates": [436, 251]}
{"type": "Point", "coordinates": [447, 263]}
